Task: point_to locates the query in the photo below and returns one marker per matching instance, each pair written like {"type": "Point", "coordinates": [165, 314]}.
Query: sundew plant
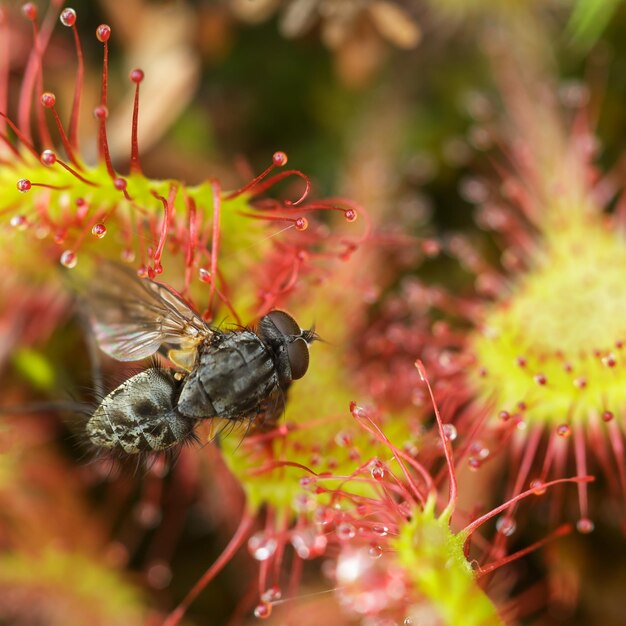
{"type": "Point", "coordinates": [433, 191]}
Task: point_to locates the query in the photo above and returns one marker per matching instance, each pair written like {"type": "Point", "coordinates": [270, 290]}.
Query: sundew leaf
{"type": "Point", "coordinates": [34, 367]}
{"type": "Point", "coordinates": [73, 588]}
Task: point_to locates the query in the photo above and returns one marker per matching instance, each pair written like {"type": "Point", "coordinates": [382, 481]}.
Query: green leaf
{"type": "Point", "coordinates": [589, 19]}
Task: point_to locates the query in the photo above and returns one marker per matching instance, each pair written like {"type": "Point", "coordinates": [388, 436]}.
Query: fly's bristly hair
{"type": "Point", "coordinates": [310, 335]}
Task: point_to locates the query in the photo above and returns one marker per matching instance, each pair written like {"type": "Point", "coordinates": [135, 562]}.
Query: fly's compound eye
{"type": "Point", "coordinates": [284, 322]}
{"type": "Point", "coordinates": [298, 355]}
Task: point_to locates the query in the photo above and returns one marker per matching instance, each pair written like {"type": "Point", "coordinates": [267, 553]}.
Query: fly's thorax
{"type": "Point", "coordinates": [140, 415]}
{"type": "Point", "coordinates": [277, 349]}
{"type": "Point", "coordinates": [234, 374]}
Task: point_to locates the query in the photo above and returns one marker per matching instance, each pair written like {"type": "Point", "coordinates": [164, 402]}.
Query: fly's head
{"type": "Point", "coordinates": [288, 344]}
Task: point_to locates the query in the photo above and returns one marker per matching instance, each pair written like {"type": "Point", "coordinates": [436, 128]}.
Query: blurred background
{"type": "Point", "coordinates": [400, 106]}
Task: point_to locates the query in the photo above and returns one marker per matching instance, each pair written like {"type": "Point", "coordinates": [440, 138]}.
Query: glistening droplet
{"type": "Point", "coordinates": [263, 610]}
{"type": "Point", "coordinates": [346, 531]}
{"type": "Point", "coordinates": [69, 259]}
{"type": "Point", "coordinates": [506, 526]}
{"type": "Point", "coordinates": [99, 230]}
{"type": "Point", "coordinates": [262, 546]}
{"type": "Point", "coordinates": [68, 17]}
{"type": "Point", "coordinates": [450, 432]}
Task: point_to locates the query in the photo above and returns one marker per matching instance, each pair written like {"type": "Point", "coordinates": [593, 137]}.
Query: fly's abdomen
{"type": "Point", "coordinates": [140, 415]}
{"type": "Point", "coordinates": [234, 375]}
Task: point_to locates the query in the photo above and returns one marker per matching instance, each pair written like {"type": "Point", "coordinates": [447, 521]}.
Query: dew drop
{"type": "Point", "coordinates": [128, 255]}
{"type": "Point", "coordinates": [99, 230]}
{"type": "Point", "coordinates": [357, 411]}
{"type": "Point", "coordinates": [148, 514]}
{"type": "Point", "coordinates": [29, 10]}
{"type": "Point", "coordinates": [158, 268]}
{"type": "Point", "coordinates": [159, 575]}
{"type": "Point", "coordinates": [68, 17]}
{"type": "Point", "coordinates": [479, 450]}
{"type": "Point", "coordinates": [103, 32]}
{"type": "Point", "coordinates": [343, 439]}
{"type": "Point", "coordinates": [505, 416]}
{"type": "Point", "coordinates": [380, 530]}
{"type": "Point", "coordinates": [303, 502]}
{"type": "Point", "coordinates": [450, 432]}
{"type": "Point", "coordinates": [375, 551]}
{"type": "Point", "coordinates": [581, 382]}
{"type": "Point", "coordinates": [609, 360]}
{"type": "Point", "coordinates": [273, 594]}
{"type": "Point", "coordinates": [262, 546]}
{"type": "Point", "coordinates": [350, 215]}
{"type": "Point", "coordinates": [346, 531]}
{"type": "Point", "coordinates": [142, 272]}
{"type": "Point", "coordinates": [263, 610]}
{"type": "Point", "coordinates": [19, 222]}
{"type": "Point", "coordinates": [540, 379]}
{"type": "Point", "coordinates": [23, 185]}
{"type": "Point", "coordinates": [474, 463]}
{"type": "Point", "coordinates": [279, 159]}
{"type": "Point", "coordinates": [473, 190]}
{"type": "Point", "coordinates": [377, 471]}
{"type": "Point", "coordinates": [607, 416]}
{"type": "Point", "coordinates": [538, 487]}
{"type": "Point", "coordinates": [506, 526]}
{"type": "Point", "coordinates": [48, 157]}
{"type": "Point", "coordinates": [563, 430]}
{"type": "Point", "coordinates": [69, 259]}
{"type": "Point", "coordinates": [323, 516]}
{"type": "Point", "coordinates": [120, 184]}
{"type": "Point", "coordinates": [48, 99]}
{"type": "Point", "coordinates": [301, 223]}
{"type": "Point", "coordinates": [308, 543]}
{"type": "Point", "coordinates": [585, 526]}
{"type": "Point", "coordinates": [408, 621]}
{"type": "Point", "coordinates": [205, 275]}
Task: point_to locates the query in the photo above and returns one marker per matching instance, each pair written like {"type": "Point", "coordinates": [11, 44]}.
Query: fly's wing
{"type": "Point", "coordinates": [131, 318]}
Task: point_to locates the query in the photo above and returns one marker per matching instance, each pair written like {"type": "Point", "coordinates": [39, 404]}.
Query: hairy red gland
{"type": "Point", "coordinates": [24, 185]}
{"type": "Point", "coordinates": [29, 10]}
{"type": "Point", "coordinates": [103, 32]}
{"type": "Point", "coordinates": [136, 75]}
{"type": "Point", "coordinates": [48, 99]}
{"type": "Point", "coordinates": [68, 17]}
